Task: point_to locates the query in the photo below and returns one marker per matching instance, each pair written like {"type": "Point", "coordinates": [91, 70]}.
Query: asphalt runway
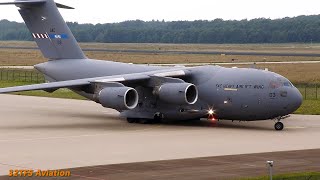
{"type": "Point", "coordinates": [214, 168]}
{"type": "Point", "coordinates": [45, 133]}
{"type": "Point", "coordinates": [232, 167]}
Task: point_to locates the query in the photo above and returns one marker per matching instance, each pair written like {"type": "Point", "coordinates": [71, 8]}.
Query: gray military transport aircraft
{"type": "Point", "coordinates": [145, 94]}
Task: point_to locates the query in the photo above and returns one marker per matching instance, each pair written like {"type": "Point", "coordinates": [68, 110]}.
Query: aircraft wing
{"type": "Point", "coordinates": [88, 81]}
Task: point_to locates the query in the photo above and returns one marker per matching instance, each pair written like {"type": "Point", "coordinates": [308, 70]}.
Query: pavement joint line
{"type": "Point", "coordinates": [296, 127]}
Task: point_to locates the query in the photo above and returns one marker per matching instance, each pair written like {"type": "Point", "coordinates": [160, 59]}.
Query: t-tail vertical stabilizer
{"type": "Point", "coordinates": [49, 29]}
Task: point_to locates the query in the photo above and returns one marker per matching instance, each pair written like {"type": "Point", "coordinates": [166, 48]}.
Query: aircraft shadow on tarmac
{"type": "Point", "coordinates": [220, 125]}
{"type": "Point", "coordinates": [111, 122]}
{"type": "Point", "coordinates": [114, 120]}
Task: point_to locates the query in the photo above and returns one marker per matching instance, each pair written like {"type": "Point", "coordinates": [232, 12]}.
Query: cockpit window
{"type": "Point", "coordinates": [278, 84]}
{"type": "Point", "coordinates": [280, 81]}
{"type": "Point", "coordinates": [287, 84]}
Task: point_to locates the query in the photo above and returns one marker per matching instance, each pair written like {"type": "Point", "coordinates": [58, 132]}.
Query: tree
{"type": "Point", "coordinates": [297, 29]}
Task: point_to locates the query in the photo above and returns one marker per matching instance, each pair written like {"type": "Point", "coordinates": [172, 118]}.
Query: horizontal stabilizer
{"type": "Point", "coordinates": [34, 2]}
{"type": "Point", "coordinates": [30, 2]}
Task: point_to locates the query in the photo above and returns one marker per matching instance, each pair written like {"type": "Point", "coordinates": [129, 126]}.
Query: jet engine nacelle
{"type": "Point", "coordinates": [177, 93]}
{"type": "Point", "coordinates": [120, 98]}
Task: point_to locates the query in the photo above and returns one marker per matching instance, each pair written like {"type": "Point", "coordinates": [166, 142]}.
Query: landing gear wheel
{"type": "Point", "coordinates": [158, 117]}
{"type": "Point", "coordinates": [132, 120]}
{"type": "Point", "coordinates": [144, 121]}
{"type": "Point", "coordinates": [279, 126]}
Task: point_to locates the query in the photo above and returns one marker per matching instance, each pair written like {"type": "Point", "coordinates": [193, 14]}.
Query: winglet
{"type": "Point", "coordinates": [63, 6]}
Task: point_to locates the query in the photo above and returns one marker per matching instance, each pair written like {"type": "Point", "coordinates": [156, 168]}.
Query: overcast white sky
{"type": "Point", "coordinates": [105, 11]}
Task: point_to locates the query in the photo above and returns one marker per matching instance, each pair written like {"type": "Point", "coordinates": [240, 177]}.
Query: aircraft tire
{"type": "Point", "coordinates": [157, 118]}
{"type": "Point", "coordinates": [144, 121]}
{"type": "Point", "coordinates": [279, 126]}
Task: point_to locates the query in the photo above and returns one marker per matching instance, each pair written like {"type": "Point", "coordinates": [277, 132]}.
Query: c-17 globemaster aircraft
{"type": "Point", "coordinates": [143, 93]}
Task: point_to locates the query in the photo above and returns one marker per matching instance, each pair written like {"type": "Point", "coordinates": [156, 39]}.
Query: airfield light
{"type": "Point", "coordinates": [270, 163]}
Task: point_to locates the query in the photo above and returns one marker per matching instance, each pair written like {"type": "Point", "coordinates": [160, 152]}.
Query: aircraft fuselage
{"type": "Point", "coordinates": [232, 93]}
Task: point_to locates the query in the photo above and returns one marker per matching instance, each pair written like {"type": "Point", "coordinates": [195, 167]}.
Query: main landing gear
{"type": "Point", "coordinates": [158, 117]}
{"type": "Point", "coordinates": [132, 120]}
{"type": "Point", "coordinates": [142, 121]}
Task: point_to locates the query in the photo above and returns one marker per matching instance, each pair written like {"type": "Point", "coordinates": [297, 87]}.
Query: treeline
{"type": "Point", "coordinates": [298, 29]}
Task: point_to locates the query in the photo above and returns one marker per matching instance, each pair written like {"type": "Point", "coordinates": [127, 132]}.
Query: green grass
{"type": "Point", "coordinates": [21, 75]}
{"type": "Point", "coordinates": [311, 107]}
{"type": "Point", "coordinates": [309, 92]}
{"type": "Point", "coordinates": [311, 102]}
{"type": "Point", "coordinates": [61, 93]}
{"type": "Point", "coordinates": [294, 176]}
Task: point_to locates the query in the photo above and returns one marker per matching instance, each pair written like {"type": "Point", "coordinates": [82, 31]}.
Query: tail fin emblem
{"type": "Point", "coordinates": [58, 36]}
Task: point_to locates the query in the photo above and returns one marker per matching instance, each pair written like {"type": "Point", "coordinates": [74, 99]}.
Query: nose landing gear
{"type": "Point", "coordinates": [279, 126]}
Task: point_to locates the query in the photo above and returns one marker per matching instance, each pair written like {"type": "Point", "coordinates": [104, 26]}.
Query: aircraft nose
{"type": "Point", "coordinates": [296, 99]}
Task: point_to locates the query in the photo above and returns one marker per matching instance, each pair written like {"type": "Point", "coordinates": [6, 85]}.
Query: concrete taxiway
{"type": "Point", "coordinates": [46, 133]}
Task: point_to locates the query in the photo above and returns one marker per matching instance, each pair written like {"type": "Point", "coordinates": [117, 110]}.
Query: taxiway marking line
{"type": "Point", "coordinates": [296, 127]}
